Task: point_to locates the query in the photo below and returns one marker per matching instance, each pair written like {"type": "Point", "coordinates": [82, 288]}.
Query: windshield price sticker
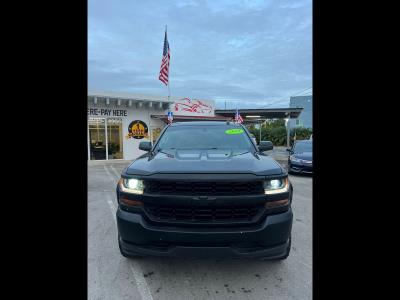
{"type": "Point", "coordinates": [234, 131]}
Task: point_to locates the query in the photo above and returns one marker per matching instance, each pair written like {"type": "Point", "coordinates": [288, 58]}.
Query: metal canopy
{"type": "Point", "coordinates": [262, 113]}
{"type": "Point", "coordinates": [259, 115]}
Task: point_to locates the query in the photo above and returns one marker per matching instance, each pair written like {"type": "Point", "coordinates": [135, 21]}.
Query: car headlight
{"type": "Point", "coordinates": [276, 186]}
{"type": "Point", "coordinates": [131, 185]}
{"type": "Point", "coordinates": [294, 159]}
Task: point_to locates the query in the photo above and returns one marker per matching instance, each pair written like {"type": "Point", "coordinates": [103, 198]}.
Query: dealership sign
{"type": "Point", "coordinates": [107, 112]}
{"type": "Point", "coordinates": [189, 107]}
{"type": "Point", "coordinates": [138, 130]}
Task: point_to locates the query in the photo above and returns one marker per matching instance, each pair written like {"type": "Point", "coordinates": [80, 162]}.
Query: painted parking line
{"type": "Point", "coordinates": [305, 264]}
{"type": "Point", "coordinates": [115, 172]}
{"type": "Point", "coordinates": [109, 175]}
{"type": "Point", "coordinates": [135, 267]}
{"type": "Point", "coordinates": [140, 281]}
{"type": "Point", "coordinates": [112, 208]}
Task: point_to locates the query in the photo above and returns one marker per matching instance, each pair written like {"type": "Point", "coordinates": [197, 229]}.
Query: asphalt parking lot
{"type": "Point", "coordinates": [111, 276]}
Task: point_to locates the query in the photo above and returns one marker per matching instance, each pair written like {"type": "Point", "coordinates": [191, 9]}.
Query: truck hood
{"type": "Point", "coordinates": [204, 161]}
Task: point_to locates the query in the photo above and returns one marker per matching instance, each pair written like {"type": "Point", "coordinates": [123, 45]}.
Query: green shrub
{"type": "Point", "coordinates": [278, 134]}
{"type": "Point", "coordinates": [301, 133]}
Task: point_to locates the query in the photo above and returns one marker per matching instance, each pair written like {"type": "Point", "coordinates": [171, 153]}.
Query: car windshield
{"type": "Point", "coordinates": [227, 137]}
{"type": "Point", "coordinates": [302, 147]}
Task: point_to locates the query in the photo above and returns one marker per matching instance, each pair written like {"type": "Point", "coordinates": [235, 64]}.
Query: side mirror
{"type": "Point", "coordinates": [145, 146]}
{"type": "Point", "coordinates": [288, 149]}
{"type": "Point", "coordinates": [265, 146]}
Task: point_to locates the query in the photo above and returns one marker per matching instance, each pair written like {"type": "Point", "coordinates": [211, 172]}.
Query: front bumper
{"type": "Point", "coordinates": [300, 168]}
{"type": "Point", "coordinates": [269, 239]}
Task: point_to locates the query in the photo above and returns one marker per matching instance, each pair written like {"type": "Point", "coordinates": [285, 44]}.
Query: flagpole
{"type": "Point", "coordinates": [169, 91]}
{"type": "Point", "coordinates": [236, 115]}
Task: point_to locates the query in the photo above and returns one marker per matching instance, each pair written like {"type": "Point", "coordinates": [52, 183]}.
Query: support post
{"type": "Point", "coordinates": [105, 124]}
{"type": "Point", "coordinates": [288, 133]}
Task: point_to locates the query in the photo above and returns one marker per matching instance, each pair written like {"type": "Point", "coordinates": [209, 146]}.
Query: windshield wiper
{"type": "Point", "coordinates": [159, 149]}
{"type": "Point", "coordinates": [162, 151]}
{"type": "Point", "coordinates": [241, 153]}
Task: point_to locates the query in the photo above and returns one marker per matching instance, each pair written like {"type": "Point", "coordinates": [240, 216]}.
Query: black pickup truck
{"type": "Point", "coordinates": [205, 189]}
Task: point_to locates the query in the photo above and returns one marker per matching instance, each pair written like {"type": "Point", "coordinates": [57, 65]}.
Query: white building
{"type": "Point", "coordinates": [118, 122]}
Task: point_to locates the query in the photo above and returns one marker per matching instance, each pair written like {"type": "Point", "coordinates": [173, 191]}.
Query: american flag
{"type": "Point", "coordinates": [238, 117]}
{"type": "Point", "coordinates": [164, 71]}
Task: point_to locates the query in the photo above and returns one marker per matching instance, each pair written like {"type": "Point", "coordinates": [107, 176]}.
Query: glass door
{"type": "Point", "coordinates": [97, 138]}
{"type": "Point", "coordinates": [114, 137]}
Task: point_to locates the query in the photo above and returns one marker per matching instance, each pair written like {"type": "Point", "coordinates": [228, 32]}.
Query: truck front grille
{"type": "Point", "coordinates": [204, 188]}
{"type": "Point", "coordinates": [193, 214]}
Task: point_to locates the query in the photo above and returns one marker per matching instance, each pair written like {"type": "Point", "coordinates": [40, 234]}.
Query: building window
{"type": "Point", "coordinates": [105, 137]}
{"type": "Point", "coordinates": [299, 123]}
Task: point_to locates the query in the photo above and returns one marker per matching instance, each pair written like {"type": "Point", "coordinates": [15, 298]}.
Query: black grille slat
{"type": "Point", "coordinates": [204, 188]}
{"type": "Point", "coordinates": [201, 214]}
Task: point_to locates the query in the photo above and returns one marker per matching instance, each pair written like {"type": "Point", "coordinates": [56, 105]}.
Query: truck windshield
{"type": "Point", "coordinates": [205, 137]}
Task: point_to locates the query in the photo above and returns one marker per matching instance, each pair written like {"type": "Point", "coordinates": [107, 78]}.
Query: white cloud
{"type": "Point", "coordinates": [252, 51]}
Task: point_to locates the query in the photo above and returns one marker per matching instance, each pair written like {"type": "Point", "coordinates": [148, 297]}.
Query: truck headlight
{"type": "Point", "coordinates": [276, 186]}
{"type": "Point", "coordinates": [131, 185]}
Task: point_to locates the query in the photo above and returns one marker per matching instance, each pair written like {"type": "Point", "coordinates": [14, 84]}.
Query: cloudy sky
{"type": "Point", "coordinates": [249, 53]}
